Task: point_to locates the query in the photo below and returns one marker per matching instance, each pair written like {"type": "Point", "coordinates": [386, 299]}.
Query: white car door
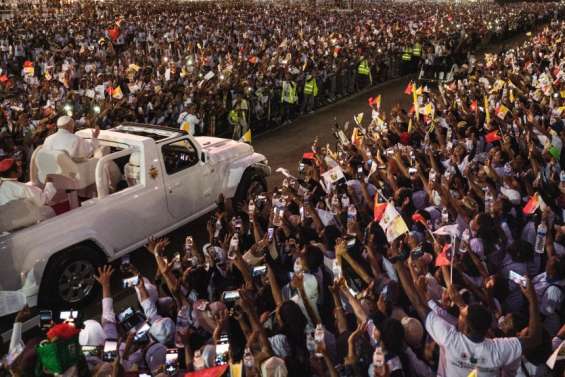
{"type": "Point", "coordinates": [185, 178]}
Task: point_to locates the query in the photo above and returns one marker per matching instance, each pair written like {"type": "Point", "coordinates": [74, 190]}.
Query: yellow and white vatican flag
{"type": "Point", "coordinates": [392, 223]}
{"type": "Point", "coordinates": [117, 93]}
{"type": "Point", "coordinates": [246, 138]}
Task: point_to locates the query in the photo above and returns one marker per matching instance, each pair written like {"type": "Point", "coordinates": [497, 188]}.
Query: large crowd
{"type": "Point", "coordinates": [428, 241]}
{"type": "Point", "coordinates": [221, 69]}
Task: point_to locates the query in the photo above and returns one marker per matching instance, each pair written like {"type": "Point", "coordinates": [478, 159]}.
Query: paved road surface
{"type": "Point", "coordinates": [283, 147]}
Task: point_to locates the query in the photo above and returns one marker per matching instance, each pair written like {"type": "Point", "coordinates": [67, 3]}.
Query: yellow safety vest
{"type": "Point", "coordinates": [289, 93]}
{"type": "Point", "coordinates": [407, 54]}
{"type": "Point", "coordinates": [311, 87]}
{"type": "Point", "coordinates": [364, 68]}
{"type": "Point", "coordinates": [233, 116]}
{"type": "Point", "coordinates": [417, 50]}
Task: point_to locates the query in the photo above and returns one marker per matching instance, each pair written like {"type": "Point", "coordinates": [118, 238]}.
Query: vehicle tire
{"type": "Point", "coordinates": [252, 183]}
{"type": "Point", "coordinates": [68, 280]}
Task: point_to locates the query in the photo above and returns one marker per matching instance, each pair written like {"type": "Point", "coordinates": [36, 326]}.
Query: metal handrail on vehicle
{"type": "Point", "coordinates": [100, 176]}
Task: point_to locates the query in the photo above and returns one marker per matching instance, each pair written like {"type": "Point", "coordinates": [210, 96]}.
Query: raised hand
{"type": "Point", "coordinates": [104, 275]}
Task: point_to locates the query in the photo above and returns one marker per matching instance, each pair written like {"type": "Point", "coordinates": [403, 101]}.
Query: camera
{"type": "Point", "coordinates": [110, 350]}
{"type": "Point", "coordinates": [259, 271]}
{"type": "Point", "coordinates": [360, 172]}
{"type": "Point", "coordinates": [142, 333]}
{"type": "Point", "coordinates": [92, 351]}
{"type": "Point", "coordinates": [172, 361]}
{"type": "Point", "coordinates": [222, 350]}
{"type": "Point", "coordinates": [68, 315]}
{"type": "Point", "coordinates": [129, 318]}
{"type": "Point", "coordinates": [45, 319]}
{"type": "Point", "coordinates": [130, 282]}
{"type": "Point", "coordinates": [230, 297]}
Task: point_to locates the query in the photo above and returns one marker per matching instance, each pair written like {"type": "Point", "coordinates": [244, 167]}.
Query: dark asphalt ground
{"type": "Point", "coordinates": [283, 147]}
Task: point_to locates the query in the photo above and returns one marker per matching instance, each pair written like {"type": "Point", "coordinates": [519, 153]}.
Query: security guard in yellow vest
{"type": "Point", "coordinates": [364, 73]}
{"type": "Point", "coordinates": [237, 117]}
{"type": "Point", "coordinates": [311, 86]}
{"type": "Point", "coordinates": [417, 50]}
{"type": "Point", "coordinates": [310, 94]}
{"type": "Point", "coordinates": [289, 92]}
{"type": "Point", "coordinates": [406, 60]}
{"type": "Point", "coordinates": [233, 120]}
{"type": "Point", "coordinates": [289, 98]}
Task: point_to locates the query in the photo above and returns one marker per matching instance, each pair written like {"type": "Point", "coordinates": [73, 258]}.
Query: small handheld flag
{"type": "Point", "coordinates": [246, 138]}
{"type": "Point", "coordinates": [493, 136]}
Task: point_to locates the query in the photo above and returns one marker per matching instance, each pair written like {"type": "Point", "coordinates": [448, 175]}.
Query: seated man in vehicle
{"type": "Point", "coordinates": [11, 189]}
{"type": "Point", "coordinates": [65, 140]}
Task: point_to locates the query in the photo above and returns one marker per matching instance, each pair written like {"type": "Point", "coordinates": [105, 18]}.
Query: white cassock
{"type": "Point", "coordinates": [11, 189]}
{"type": "Point", "coordinates": [75, 146]}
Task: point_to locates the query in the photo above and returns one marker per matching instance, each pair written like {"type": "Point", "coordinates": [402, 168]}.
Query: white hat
{"type": "Point", "coordinates": [512, 195]}
{"type": "Point", "coordinates": [64, 120]}
{"type": "Point", "coordinates": [163, 330]}
{"type": "Point", "coordinates": [92, 334]}
{"type": "Point", "coordinates": [413, 331]}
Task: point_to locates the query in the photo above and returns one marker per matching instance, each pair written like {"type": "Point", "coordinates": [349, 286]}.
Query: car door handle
{"type": "Point", "coordinates": [173, 186]}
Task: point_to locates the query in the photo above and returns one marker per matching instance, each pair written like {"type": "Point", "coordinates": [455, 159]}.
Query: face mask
{"type": "Point", "coordinates": [469, 144]}
{"type": "Point", "coordinates": [436, 199]}
{"type": "Point", "coordinates": [297, 268]}
{"type": "Point", "coordinates": [248, 359]}
{"type": "Point", "coordinates": [198, 360]}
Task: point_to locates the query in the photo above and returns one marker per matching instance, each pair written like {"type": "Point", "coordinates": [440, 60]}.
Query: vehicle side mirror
{"type": "Point", "coordinates": [203, 157]}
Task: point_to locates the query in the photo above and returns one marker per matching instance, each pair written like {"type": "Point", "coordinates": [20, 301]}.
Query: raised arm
{"type": "Point", "coordinates": [275, 288]}
{"type": "Point", "coordinates": [341, 253]}
{"type": "Point", "coordinates": [407, 283]}
{"type": "Point", "coordinates": [533, 337]}
{"type": "Point", "coordinates": [358, 310]}
{"type": "Point", "coordinates": [298, 283]}
{"type": "Point", "coordinates": [339, 314]}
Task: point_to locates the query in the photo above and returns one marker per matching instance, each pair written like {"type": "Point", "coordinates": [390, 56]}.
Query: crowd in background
{"type": "Point", "coordinates": [221, 69]}
{"type": "Point", "coordinates": [428, 241]}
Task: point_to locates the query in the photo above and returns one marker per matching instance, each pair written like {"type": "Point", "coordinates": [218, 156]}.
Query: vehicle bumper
{"type": "Point", "coordinates": [12, 301]}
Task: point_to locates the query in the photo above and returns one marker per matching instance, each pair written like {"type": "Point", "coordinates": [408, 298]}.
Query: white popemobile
{"type": "Point", "coordinates": [143, 181]}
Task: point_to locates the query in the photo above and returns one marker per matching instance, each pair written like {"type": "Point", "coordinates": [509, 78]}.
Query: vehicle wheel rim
{"type": "Point", "coordinates": [76, 281]}
{"type": "Point", "coordinates": [255, 188]}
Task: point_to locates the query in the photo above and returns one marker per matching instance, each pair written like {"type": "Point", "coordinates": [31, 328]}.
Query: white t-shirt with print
{"type": "Point", "coordinates": [464, 355]}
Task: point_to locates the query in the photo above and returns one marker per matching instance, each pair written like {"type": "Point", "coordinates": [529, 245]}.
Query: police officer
{"type": "Point", "coordinates": [310, 94]}
{"type": "Point", "coordinates": [289, 99]}
{"type": "Point", "coordinates": [406, 59]}
{"type": "Point", "coordinates": [237, 117]}
{"type": "Point", "coordinates": [364, 73]}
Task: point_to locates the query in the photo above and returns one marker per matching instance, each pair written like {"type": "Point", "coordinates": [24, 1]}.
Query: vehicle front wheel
{"type": "Point", "coordinates": [252, 183]}
{"type": "Point", "coordinates": [69, 280]}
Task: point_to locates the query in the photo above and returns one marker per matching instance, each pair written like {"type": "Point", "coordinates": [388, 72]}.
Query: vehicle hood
{"type": "Point", "coordinates": [219, 149]}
